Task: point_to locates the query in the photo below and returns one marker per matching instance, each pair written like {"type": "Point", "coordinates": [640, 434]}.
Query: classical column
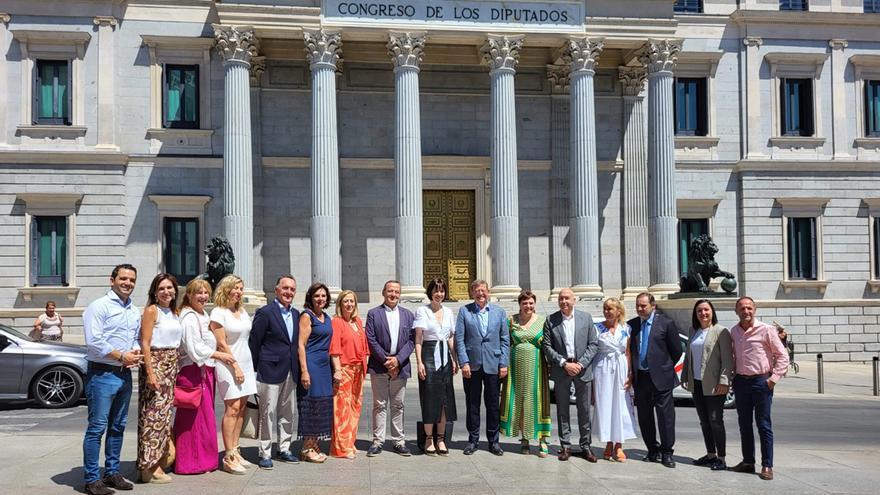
{"type": "Point", "coordinates": [583, 55]}
{"type": "Point", "coordinates": [237, 45]}
{"type": "Point", "coordinates": [406, 55]}
{"type": "Point", "coordinates": [258, 66]}
{"type": "Point", "coordinates": [106, 94]}
{"type": "Point", "coordinates": [323, 50]}
{"type": "Point", "coordinates": [560, 150]}
{"type": "Point", "coordinates": [660, 57]}
{"type": "Point", "coordinates": [838, 99]}
{"type": "Point", "coordinates": [501, 53]}
{"type": "Point", "coordinates": [635, 182]}
{"type": "Point", "coordinates": [752, 82]}
{"type": "Point", "coordinates": [4, 95]}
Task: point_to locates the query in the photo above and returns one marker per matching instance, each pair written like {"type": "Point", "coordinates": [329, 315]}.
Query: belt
{"type": "Point", "coordinates": [752, 377]}
{"type": "Point", "coordinates": [93, 366]}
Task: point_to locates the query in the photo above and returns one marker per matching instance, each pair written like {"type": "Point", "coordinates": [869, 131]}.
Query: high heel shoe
{"type": "Point", "coordinates": [441, 438]}
{"type": "Point", "coordinates": [430, 447]}
{"type": "Point", "coordinates": [524, 446]}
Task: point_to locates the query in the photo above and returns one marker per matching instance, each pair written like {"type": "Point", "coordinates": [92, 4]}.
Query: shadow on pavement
{"type": "Point", "coordinates": [74, 477]}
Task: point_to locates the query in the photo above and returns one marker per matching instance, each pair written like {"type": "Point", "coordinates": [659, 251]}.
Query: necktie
{"type": "Point", "coordinates": [643, 345]}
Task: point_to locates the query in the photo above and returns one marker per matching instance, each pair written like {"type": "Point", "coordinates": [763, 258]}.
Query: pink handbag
{"type": "Point", "coordinates": [187, 397]}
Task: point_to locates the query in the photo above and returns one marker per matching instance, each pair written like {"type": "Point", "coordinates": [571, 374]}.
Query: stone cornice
{"type": "Point", "coordinates": [501, 52]}
{"type": "Point", "coordinates": [660, 55]}
{"type": "Point", "coordinates": [177, 42]}
{"type": "Point", "coordinates": [51, 37]}
{"type": "Point", "coordinates": [323, 48]}
{"type": "Point", "coordinates": [63, 157]}
{"type": "Point", "coordinates": [583, 54]}
{"type": "Point", "coordinates": [803, 18]}
{"type": "Point", "coordinates": [406, 49]}
{"type": "Point", "coordinates": [236, 43]}
{"type": "Point", "coordinates": [632, 79]}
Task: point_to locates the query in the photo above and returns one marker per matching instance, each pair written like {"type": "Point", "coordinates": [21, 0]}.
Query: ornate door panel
{"type": "Point", "coordinates": [450, 239]}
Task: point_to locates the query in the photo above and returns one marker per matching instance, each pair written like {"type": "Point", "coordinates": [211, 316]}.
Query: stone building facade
{"type": "Point", "coordinates": [535, 145]}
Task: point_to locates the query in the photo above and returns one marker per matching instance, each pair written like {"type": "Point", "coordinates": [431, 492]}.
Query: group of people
{"type": "Point", "coordinates": [316, 364]}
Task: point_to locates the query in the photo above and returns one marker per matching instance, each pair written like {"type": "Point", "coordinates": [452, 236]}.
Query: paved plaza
{"type": "Point", "coordinates": [824, 444]}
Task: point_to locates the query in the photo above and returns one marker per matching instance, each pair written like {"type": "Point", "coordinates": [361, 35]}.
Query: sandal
{"type": "Point", "coordinates": [619, 455]}
{"type": "Point", "coordinates": [544, 449]}
{"type": "Point", "coordinates": [608, 451]}
{"type": "Point", "coordinates": [312, 455]}
{"type": "Point", "coordinates": [430, 448]}
{"type": "Point", "coordinates": [524, 447]}
{"type": "Point", "coordinates": [441, 438]}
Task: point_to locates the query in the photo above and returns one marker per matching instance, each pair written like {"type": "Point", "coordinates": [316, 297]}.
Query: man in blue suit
{"type": "Point", "coordinates": [482, 341]}
{"type": "Point", "coordinates": [273, 342]}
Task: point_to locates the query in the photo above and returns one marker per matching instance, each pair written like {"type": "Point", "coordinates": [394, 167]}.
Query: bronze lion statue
{"type": "Point", "coordinates": [221, 260]}
{"type": "Point", "coordinates": [703, 268]}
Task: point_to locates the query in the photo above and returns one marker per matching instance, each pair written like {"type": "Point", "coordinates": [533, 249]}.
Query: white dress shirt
{"type": "Point", "coordinates": [393, 317]}
{"type": "Point", "coordinates": [698, 343]}
{"type": "Point", "coordinates": [568, 331]}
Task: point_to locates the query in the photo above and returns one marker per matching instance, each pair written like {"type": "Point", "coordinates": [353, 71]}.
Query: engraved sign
{"type": "Point", "coordinates": [532, 14]}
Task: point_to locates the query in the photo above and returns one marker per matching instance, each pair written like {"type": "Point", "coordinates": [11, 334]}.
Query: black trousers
{"type": "Point", "coordinates": [650, 401]}
{"type": "Point", "coordinates": [710, 410]}
{"type": "Point", "coordinates": [489, 387]}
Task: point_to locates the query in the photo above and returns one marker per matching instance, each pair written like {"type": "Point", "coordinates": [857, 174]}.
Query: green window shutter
{"type": "Point", "coordinates": [173, 91]}
{"type": "Point", "coordinates": [51, 250]}
{"type": "Point", "coordinates": [181, 96]}
{"type": "Point", "coordinates": [190, 93]}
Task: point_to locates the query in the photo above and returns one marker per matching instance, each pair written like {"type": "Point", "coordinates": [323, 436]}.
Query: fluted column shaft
{"type": "Point", "coordinates": [583, 55]}
{"type": "Point", "coordinates": [560, 208]}
{"type": "Point", "coordinates": [635, 182]}
{"type": "Point", "coordinates": [237, 44]}
{"type": "Point", "coordinates": [660, 57]}
{"type": "Point", "coordinates": [323, 50]}
{"type": "Point", "coordinates": [501, 53]}
{"type": "Point", "coordinates": [406, 54]}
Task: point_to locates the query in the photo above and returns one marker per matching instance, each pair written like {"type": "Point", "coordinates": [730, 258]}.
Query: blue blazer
{"type": "Point", "coordinates": [274, 353]}
{"type": "Point", "coordinates": [379, 340]}
{"type": "Point", "coordinates": [488, 353]}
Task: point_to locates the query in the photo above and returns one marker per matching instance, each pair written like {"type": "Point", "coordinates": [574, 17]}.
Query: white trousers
{"type": "Point", "coordinates": [277, 403]}
{"type": "Point", "coordinates": [387, 393]}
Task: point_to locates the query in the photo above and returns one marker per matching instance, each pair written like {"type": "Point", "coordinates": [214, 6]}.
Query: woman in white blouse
{"type": "Point", "coordinates": [435, 354]}
{"type": "Point", "coordinates": [232, 327]}
{"type": "Point", "coordinates": [196, 428]}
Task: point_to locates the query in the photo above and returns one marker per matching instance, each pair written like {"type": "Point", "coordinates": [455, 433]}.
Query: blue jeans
{"type": "Point", "coordinates": [107, 395]}
{"type": "Point", "coordinates": [753, 397]}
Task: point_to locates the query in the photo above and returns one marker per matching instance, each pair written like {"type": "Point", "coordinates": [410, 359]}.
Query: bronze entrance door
{"type": "Point", "coordinates": [450, 239]}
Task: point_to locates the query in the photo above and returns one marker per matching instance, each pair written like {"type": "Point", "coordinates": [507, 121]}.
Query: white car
{"type": "Point", "coordinates": [680, 393]}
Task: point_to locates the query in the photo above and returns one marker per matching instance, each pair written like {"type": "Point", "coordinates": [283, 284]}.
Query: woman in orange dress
{"type": "Point", "coordinates": [348, 353]}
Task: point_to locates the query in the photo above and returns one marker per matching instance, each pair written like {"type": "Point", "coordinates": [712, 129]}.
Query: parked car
{"type": "Point", "coordinates": [49, 373]}
{"type": "Point", "coordinates": [680, 393]}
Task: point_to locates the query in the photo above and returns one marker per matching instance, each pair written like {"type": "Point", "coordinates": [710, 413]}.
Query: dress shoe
{"type": "Point", "coordinates": [744, 467]}
{"type": "Point", "coordinates": [401, 449]}
{"type": "Point", "coordinates": [587, 453]}
{"type": "Point", "coordinates": [117, 481]}
{"type": "Point", "coordinates": [564, 454]}
{"type": "Point", "coordinates": [265, 464]}
{"type": "Point", "coordinates": [667, 461]}
{"type": "Point", "coordinates": [374, 450]}
{"type": "Point", "coordinates": [706, 460]}
{"type": "Point", "coordinates": [651, 457]}
{"type": "Point", "coordinates": [496, 449]}
{"type": "Point", "coordinates": [619, 454]}
{"type": "Point", "coordinates": [287, 457]}
{"type": "Point", "coordinates": [469, 449]}
{"type": "Point", "coordinates": [608, 452]}
{"type": "Point", "coordinates": [98, 488]}
{"type": "Point", "coordinates": [766, 473]}
{"type": "Point", "coordinates": [718, 465]}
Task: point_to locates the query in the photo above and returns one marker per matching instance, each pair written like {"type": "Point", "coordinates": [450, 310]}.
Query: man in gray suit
{"type": "Point", "coordinates": [570, 344]}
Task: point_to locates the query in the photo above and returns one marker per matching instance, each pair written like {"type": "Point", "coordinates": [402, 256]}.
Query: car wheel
{"type": "Point", "coordinates": [730, 400]}
{"type": "Point", "coordinates": [57, 387]}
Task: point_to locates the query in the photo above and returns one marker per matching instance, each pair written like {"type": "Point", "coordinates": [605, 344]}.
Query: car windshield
{"type": "Point", "coordinates": [16, 333]}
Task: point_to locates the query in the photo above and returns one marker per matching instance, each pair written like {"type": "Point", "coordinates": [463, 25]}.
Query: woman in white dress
{"type": "Point", "coordinates": [435, 354]}
{"type": "Point", "coordinates": [47, 326]}
{"type": "Point", "coordinates": [614, 420]}
{"type": "Point", "coordinates": [231, 326]}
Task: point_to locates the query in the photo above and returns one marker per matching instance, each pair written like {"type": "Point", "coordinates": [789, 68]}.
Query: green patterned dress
{"type": "Point", "coordinates": [525, 394]}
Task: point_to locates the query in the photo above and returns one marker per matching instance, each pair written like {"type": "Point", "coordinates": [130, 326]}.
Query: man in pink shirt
{"type": "Point", "coordinates": [760, 362]}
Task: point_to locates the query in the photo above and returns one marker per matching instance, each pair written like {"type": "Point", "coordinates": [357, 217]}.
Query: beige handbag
{"type": "Point", "coordinates": [250, 427]}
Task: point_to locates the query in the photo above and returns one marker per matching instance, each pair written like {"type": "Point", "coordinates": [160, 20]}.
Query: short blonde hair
{"type": "Point", "coordinates": [616, 304]}
{"type": "Point", "coordinates": [340, 297]}
{"type": "Point", "coordinates": [192, 288]}
{"type": "Point", "coordinates": [224, 287]}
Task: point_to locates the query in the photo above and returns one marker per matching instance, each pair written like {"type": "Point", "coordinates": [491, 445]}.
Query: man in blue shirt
{"type": "Point", "coordinates": [111, 325]}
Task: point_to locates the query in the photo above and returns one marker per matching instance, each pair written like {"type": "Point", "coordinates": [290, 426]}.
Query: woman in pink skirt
{"type": "Point", "coordinates": [196, 429]}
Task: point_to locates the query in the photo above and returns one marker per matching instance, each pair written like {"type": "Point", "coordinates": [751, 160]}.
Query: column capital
{"type": "Point", "coordinates": [754, 41]}
{"type": "Point", "coordinates": [558, 75]}
{"type": "Point", "coordinates": [323, 48]}
{"type": "Point", "coordinates": [236, 44]}
{"type": "Point", "coordinates": [105, 21]}
{"type": "Point", "coordinates": [632, 79]}
{"type": "Point", "coordinates": [501, 52]}
{"type": "Point", "coordinates": [258, 66]}
{"type": "Point", "coordinates": [5, 18]}
{"type": "Point", "coordinates": [660, 55]}
{"type": "Point", "coordinates": [406, 49]}
{"type": "Point", "coordinates": [838, 44]}
{"type": "Point", "coordinates": [583, 54]}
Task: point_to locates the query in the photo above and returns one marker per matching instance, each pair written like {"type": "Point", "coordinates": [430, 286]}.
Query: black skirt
{"type": "Point", "coordinates": [435, 391]}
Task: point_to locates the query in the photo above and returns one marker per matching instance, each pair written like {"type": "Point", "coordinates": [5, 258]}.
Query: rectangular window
{"type": "Point", "coordinates": [688, 230]}
{"type": "Point", "coordinates": [49, 251]}
{"type": "Point", "coordinates": [181, 96]}
{"type": "Point", "coordinates": [796, 109]}
{"type": "Point", "coordinates": [689, 100]}
{"type": "Point", "coordinates": [872, 6]}
{"type": "Point", "coordinates": [793, 5]}
{"type": "Point", "coordinates": [872, 108]}
{"type": "Point", "coordinates": [688, 6]}
{"type": "Point", "coordinates": [802, 249]}
{"type": "Point", "coordinates": [52, 92]}
{"type": "Point", "coordinates": [876, 228]}
{"type": "Point", "coordinates": [182, 248]}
